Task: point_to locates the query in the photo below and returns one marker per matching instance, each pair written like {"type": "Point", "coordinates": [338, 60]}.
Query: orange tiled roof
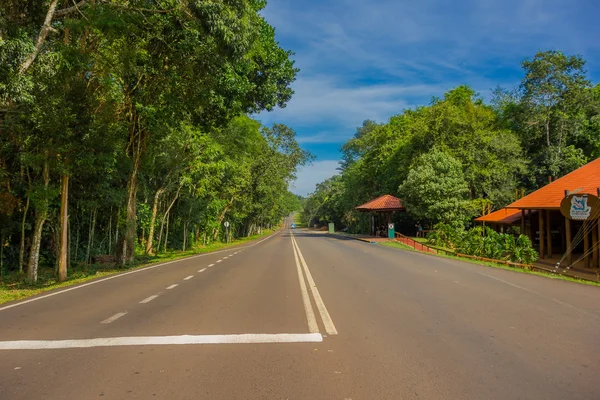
{"type": "Point", "coordinates": [503, 216]}
{"type": "Point", "coordinates": [383, 203]}
{"type": "Point", "coordinates": [583, 180]}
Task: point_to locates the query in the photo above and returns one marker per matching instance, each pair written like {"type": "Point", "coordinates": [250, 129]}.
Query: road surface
{"type": "Point", "coordinates": [304, 315]}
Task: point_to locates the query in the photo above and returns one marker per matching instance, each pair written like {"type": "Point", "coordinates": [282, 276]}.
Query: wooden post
{"type": "Point", "coordinates": [568, 240]}
{"type": "Point", "coordinates": [548, 234]}
{"type": "Point", "coordinates": [586, 244]}
{"type": "Point", "coordinates": [530, 221]}
{"type": "Point", "coordinates": [522, 222]}
{"type": "Point", "coordinates": [64, 218]}
{"type": "Point", "coordinates": [541, 229]}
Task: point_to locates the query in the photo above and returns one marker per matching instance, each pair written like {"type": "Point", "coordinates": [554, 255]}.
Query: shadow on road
{"type": "Point", "coordinates": [317, 234]}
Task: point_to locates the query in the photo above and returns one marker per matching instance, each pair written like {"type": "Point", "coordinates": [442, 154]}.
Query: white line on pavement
{"type": "Point", "coordinates": [325, 317]}
{"type": "Point", "coordinates": [172, 286]}
{"type": "Point", "coordinates": [211, 265]}
{"type": "Point", "coordinates": [163, 340]}
{"type": "Point", "coordinates": [219, 261]}
{"type": "Point", "coordinates": [310, 315]}
{"type": "Point", "coordinates": [148, 299]}
{"type": "Point", "coordinates": [113, 318]}
{"type": "Point", "coordinates": [127, 273]}
{"type": "Point", "coordinates": [187, 278]}
{"type": "Point", "coordinates": [202, 270]}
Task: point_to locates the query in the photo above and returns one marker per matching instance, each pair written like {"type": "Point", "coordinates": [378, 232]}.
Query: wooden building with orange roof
{"type": "Point", "coordinates": [382, 209]}
{"type": "Point", "coordinates": [540, 217]}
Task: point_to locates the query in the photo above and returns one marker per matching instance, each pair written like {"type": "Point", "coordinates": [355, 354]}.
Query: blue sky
{"type": "Point", "coordinates": [370, 59]}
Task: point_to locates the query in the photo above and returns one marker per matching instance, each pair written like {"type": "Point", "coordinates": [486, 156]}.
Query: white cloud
{"type": "Point", "coordinates": [323, 100]}
{"type": "Point", "coordinates": [310, 175]}
{"type": "Point", "coordinates": [326, 137]}
{"type": "Point", "coordinates": [370, 59]}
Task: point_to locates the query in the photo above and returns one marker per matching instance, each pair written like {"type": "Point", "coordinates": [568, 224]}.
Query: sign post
{"type": "Point", "coordinates": [226, 224]}
{"type": "Point", "coordinates": [331, 227]}
{"type": "Point", "coordinates": [391, 231]}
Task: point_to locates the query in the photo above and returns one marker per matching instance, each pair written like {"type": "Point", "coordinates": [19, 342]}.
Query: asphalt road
{"type": "Point", "coordinates": [367, 322]}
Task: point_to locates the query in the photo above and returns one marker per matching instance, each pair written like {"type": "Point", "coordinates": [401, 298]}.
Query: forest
{"type": "Point", "coordinates": [126, 130]}
{"type": "Point", "coordinates": [462, 155]}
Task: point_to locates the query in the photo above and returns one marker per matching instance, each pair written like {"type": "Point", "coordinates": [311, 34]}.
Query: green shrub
{"type": "Point", "coordinates": [484, 243]}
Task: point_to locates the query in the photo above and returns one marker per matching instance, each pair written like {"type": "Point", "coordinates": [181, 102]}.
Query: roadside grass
{"type": "Point", "coordinates": [298, 221]}
{"type": "Point", "coordinates": [15, 286]}
{"type": "Point", "coordinates": [425, 241]}
{"type": "Point", "coordinates": [397, 245]}
{"type": "Point", "coordinates": [495, 265]}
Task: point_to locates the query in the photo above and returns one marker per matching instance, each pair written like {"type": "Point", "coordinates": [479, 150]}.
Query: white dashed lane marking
{"type": "Point", "coordinates": [187, 278]}
{"type": "Point", "coordinates": [113, 318]}
{"type": "Point", "coordinates": [211, 265]}
{"type": "Point", "coordinates": [202, 270]}
{"type": "Point", "coordinates": [172, 286]}
{"type": "Point", "coordinates": [219, 261]}
{"type": "Point", "coordinates": [148, 299]}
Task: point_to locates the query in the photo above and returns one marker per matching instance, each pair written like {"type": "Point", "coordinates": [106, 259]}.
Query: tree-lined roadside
{"type": "Point", "coordinates": [125, 127]}
{"type": "Point", "coordinates": [11, 288]}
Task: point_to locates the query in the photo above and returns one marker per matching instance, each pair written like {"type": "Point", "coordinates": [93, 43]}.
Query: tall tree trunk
{"type": "Point", "coordinates": [110, 233]}
{"type": "Point", "coordinates": [222, 217]}
{"type": "Point", "coordinates": [46, 28]}
{"type": "Point", "coordinates": [22, 248]}
{"type": "Point", "coordinates": [167, 232]}
{"type": "Point", "coordinates": [88, 257]}
{"type": "Point", "coordinates": [128, 241]}
{"type": "Point", "coordinates": [149, 243]}
{"type": "Point", "coordinates": [2, 258]}
{"type": "Point", "coordinates": [64, 207]}
{"type": "Point", "coordinates": [127, 249]}
{"type": "Point", "coordinates": [77, 241]}
{"type": "Point", "coordinates": [69, 239]}
{"type": "Point", "coordinates": [40, 218]}
{"type": "Point", "coordinates": [185, 224]}
{"type": "Point", "coordinates": [162, 224]}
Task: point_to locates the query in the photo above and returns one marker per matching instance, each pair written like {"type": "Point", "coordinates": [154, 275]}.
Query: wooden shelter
{"type": "Point", "coordinates": [549, 229]}
{"type": "Point", "coordinates": [382, 209]}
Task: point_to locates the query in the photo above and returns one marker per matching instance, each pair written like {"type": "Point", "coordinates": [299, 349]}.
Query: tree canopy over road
{"type": "Point", "coordinates": [125, 124]}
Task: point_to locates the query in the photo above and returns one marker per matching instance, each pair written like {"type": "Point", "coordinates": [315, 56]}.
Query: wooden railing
{"type": "Point", "coordinates": [427, 249]}
{"type": "Point", "coordinates": [414, 244]}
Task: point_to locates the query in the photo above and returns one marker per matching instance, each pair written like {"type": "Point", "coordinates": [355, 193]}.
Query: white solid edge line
{"type": "Point", "coordinates": [187, 278]}
{"type": "Point", "coordinates": [202, 270]}
{"type": "Point", "coordinates": [310, 315]}
{"type": "Point", "coordinates": [172, 286]}
{"type": "Point", "coordinates": [162, 340]}
{"type": "Point", "coordinates": [113, 318]}
{"type": "Point", "coordinates": [148, 299]}
{"type": "Point", "coordinates": [129, 273]}
{"type": "Point", "coordinates": [325, 317]}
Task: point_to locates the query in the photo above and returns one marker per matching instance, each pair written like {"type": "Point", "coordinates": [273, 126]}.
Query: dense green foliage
{"type": "Point", "coordinates": [459, 155]}
{"type": "Point", "coordinates": [138, 110]}
{"type": "Point", "coordinates": [484, 243]}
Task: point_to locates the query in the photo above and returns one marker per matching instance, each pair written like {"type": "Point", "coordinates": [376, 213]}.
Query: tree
{"type": "Point", "coordinates": [550, 115]}
{"type": "Point", "coordinates": [436, 189]}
